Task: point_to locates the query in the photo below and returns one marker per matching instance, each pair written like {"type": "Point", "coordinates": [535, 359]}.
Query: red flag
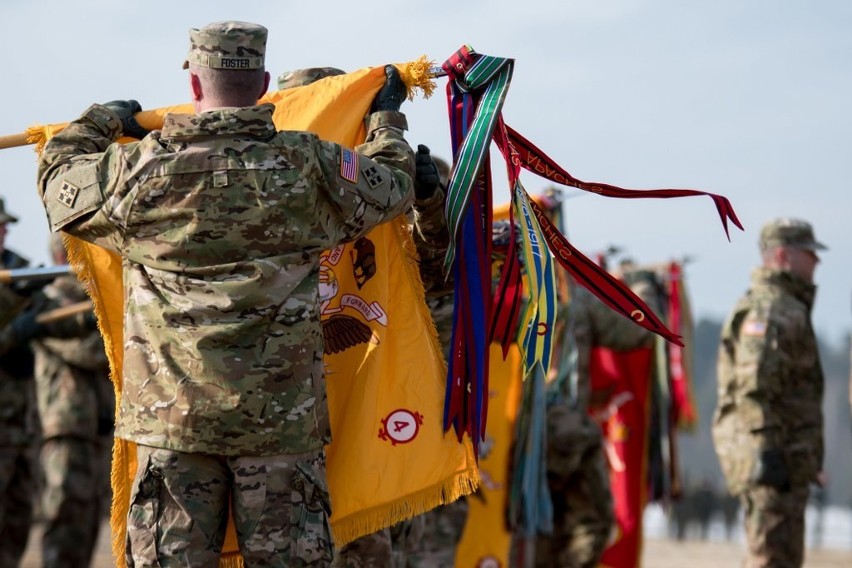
{"type": "Point", "coordinates": [620, 382]}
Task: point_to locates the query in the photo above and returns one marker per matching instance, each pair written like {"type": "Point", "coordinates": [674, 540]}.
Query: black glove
{"type": "Point", "coordinates": [770, 469]}
{"type": "Point", "coordinates": [90, 321]}
{"type": "Point", "coordinates": [125, 111]}
{"type": "Point", "coordinates": [25, 327]}
{"type": "Point", "coordinates": [27, 288]}
{"type": "Point", "coordinates": [106, 424]}
{"type": "Point", "coordinates": [426, 176]}
{"type": "Point", "coordinates": [392, 93]}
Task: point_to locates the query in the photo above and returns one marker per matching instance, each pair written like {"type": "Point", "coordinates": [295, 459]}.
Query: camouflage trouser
{"type": "Point", "coordinates": [388, 548]}
{"type": "Point", "coordinates": [442, 531]}
{"type": "Point", "coordinates": [775, 526]}
{"type": "Point", "coordinates": [180, 502]}
{"type": "Point", "coordinates": [582, 515]}
{"type": "Point", "coordinates": [16, 502]}
{"type": "Point", "coordinates": [76, 486]}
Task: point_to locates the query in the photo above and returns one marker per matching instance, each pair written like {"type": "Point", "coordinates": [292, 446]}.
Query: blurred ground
{"type": "Point", "coordinates": [663, 553]}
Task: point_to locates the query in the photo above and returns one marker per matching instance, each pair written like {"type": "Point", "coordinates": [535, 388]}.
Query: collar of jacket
{"type": "Point", "coordinates": [787, 282]}
{"type": "Point", "coordinates": [254, 122]}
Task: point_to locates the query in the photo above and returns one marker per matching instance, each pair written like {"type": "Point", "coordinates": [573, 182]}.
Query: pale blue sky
{"type": "Point", "coordinates": [747, 98]}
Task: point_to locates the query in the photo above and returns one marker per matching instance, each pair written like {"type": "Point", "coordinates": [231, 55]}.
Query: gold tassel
{"type": "Point", "coordinates": [415, 75]}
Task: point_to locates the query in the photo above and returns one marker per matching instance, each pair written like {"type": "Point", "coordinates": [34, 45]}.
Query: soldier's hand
{"type": "Point", "coordinates": [125, 111]}
{"type": "Point", "coordinates": [770, 469]}
{"type": "Point", "coordinates": [426, 176]}
{"type": "Point", "coordinates": [392, 93]}
{"type": "Point", "coordinates": [27, 288]}
{"type": "Point", "coordinates": [26, 327]}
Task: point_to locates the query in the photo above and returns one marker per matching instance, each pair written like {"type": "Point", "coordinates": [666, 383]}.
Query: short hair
{"type": "Point", "coordinates": [231, 81]}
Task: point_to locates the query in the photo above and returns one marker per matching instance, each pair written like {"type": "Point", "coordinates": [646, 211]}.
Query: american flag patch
{"type": "Point", "coordinates": [348, 165]}
{"type": "Point", "coordinates": [753, 327]}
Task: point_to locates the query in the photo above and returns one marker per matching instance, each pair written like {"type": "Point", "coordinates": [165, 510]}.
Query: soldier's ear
{"type": "Point", "coordinates": [195, 87]}
{"type": "Point", "coordinates": [265, 84]}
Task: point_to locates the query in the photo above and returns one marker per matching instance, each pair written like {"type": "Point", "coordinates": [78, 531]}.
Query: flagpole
{"type": "Point", "coordinates": [14, 140]}
{"type": "Point", "coordinates": [23, 139]}
{"type": "Point", "coordinates": [8, 276]}
{"type": "Point", "coordinates": [65, 312]}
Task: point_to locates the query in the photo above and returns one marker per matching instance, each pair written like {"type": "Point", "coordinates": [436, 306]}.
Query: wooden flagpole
{"type": "Point", "coordinates": [14, 140]}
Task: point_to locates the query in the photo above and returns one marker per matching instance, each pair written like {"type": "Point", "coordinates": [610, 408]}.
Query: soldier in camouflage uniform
{"type": "Point", "coordinates": [768, 425]}
{"type": "Point", "coordinates": [301, 77]}
{"type": "Point", "coordinates": [576, 465]}
{"type": "Point", "coordinates": [18, 419]}
{"type": "Point", "coordinates": [442, 527]}
{"type": "Point", "coordinates": [390, 546]}
{"type": "Point", "coordinates": [75, 403]}
{"type": "Point", "coordinates": [221, 221]}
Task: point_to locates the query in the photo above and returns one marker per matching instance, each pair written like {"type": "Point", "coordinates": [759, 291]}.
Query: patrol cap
{"type": "Point", "coordinates": [789, 233]}
{"type": "Point", "coordinates": [302, 77]}
{"type": "Point", "coordinates": [6, 217]}
{"type": "Point", "coordinates": [227, 45]}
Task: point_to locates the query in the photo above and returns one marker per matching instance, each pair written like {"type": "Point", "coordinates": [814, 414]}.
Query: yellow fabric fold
{"type": "Point", "coordinates": [486, 541]}
{"type": "Point", "coordinates": [389, 459]}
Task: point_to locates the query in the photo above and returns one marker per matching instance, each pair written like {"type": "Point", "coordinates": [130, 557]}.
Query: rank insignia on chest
{"type": "Point", "coordinates": [348, 165]}
{"type": "Point", "coordinates": [373, 177]}
{"type": "Point", "coordinates": [68, 193]}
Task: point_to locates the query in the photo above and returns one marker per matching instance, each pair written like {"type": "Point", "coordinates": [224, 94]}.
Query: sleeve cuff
{"type": "Point", "coordinates": [385, 119]}
{"type": "Point", "coordinates": [104, 119]}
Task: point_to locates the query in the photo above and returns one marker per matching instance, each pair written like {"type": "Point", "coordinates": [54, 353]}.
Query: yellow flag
{"type": "Point", "coordinates": [389, 459]}
{"type": "Point", "coordinates": [486, 540]}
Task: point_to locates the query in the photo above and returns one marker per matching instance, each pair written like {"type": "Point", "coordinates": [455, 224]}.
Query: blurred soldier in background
{"type": "Point", "coordinates": [76, 407]}
{"type": "Point", "coordinates": [576, 466]}
{"type": "Point", "coordinates": [444, 525]}
{"type": "Point", "coordinates": [18, 420]}
{"type": "Point", "coordinates": [768, 426]}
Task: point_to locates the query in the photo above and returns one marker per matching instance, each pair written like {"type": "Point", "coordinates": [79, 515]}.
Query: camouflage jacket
{"type": "Point", "coordinates": [18, 420]}
{"type": "Point", "coordinates": [72, 374]}
{"type": "Point", "coordinates": [586, 322]}
{"type": "Point", "coordinates": [770, 381]}
{"type": "Point", "coordinates": [220, 221]}
{"type": "Point", "coordinates": [432, 238]}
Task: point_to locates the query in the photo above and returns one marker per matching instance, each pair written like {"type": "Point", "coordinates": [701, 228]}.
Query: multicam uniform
{"type": "Point", "coordinates": [577, 472]}
{"type": "Point", "coordinates": [770, 397]}
{"type": "Point", "coordinates": [76, 407]}
{"type": "Point", "coordinates": [220, 221]}
{"type": "Point", "coordinates": [441, 527]}
{"type": "Point", "coordinates": [18, 426]}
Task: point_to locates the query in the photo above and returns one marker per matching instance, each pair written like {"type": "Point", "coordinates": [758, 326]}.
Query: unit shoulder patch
{"type": "Point", "coordinates": [67, 193]}
{"type": "Point", "coordinates": [373, 177]}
